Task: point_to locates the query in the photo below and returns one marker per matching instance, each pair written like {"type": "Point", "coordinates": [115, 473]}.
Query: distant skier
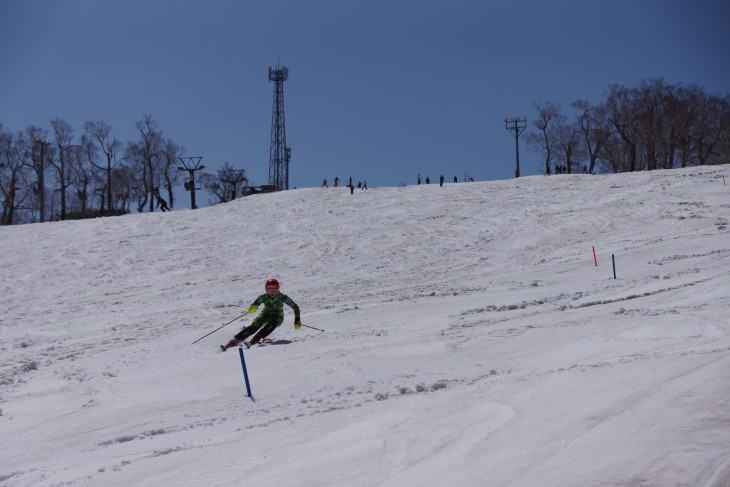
{"type": "Point", "coordinates": [337, 180]}
{"type": "Point", "coordinates": [428, 180]}
{"type": "Point", "coordinates": [419, 179]}
{"type": "Point", "coordinates": [161, 203]}
{"type": "Point", "coordinates": [271, 317]}
{"type": "Point", "coordinates": [441, 181]}
{"type": "Point", "coordinates": [324, 183]}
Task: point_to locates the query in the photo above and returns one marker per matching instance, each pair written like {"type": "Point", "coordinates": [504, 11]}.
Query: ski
{"type": "Point", "coordinates": [248, 344]}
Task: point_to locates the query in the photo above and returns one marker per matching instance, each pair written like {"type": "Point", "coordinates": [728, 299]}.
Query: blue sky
{"type": "Point", "coordinates": [381, 90]}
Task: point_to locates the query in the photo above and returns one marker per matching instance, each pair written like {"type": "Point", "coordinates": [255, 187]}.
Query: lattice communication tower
{"type": "Point", "coordinates": [278, 151]}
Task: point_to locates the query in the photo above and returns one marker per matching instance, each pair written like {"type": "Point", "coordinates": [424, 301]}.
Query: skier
{"type": "Point", "coordinates": [162, 204]}
{"type": "Point", "coordinates": [271, 317]}
{"type": "Point", "coordinates": [160, 201]}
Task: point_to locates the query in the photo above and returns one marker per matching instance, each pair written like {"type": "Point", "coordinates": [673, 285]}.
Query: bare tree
{"type": "Point", "coordinates": [85, 171]}
{"type": "Point", "coordinates": [708, 130]}
{"type": "Point", "coordinates": [543, 140]}
{"type": "Point", "coordinates": [230, 178]}
{"type": "Point", "coordinates": [723, 144]}
{"type": "Point", "coordinates": [63, 133]}
{"type": "Point", "coordinates": [101, 133]}
{"type": "Point", "coordinates": [674, 125]}
{"type": "Point", "coordinates": [591, 121]}
{"type": "Point", "coordinates": [127, 186]}
{"type": "Point", "coordinates": [568, 145]}
{"type": "Point", "coordinates": [35, 151]}
{"type": "Point", "coordinates": [649, 124]}
{"type": "Point", "coordinates": [141, 190]}
{"type": "Point", "coordinates": [145, 153]}
{"type": "Point", "coordinates": [683, 114]}
{"type": "Point", "coordinates": [621, 113]}
{"type": "Point", "coordinates": [14, 182]}
{"type": "Point", "coordinates": [225, 185]}
{"type": "Point", "coordinates": [210, 183]}
{"type": "Point", "coordinates": [653, 126]}
{"type": "Point", "coordinates": [171, 152]}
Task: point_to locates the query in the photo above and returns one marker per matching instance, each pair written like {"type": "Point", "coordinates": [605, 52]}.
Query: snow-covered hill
{"type": "Point", "coordinates": [470, 339]}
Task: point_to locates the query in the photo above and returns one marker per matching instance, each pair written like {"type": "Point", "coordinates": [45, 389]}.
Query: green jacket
{"type": "Point", "coordinates": [275, 306]}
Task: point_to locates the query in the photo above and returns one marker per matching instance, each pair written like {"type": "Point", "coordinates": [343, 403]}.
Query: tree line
{"type": "Point", "coordinates": [653, 126]}
{"type": "Point", "coordinates": [58, 175]}
{"type": "Point", "coordinates": [55, 175]}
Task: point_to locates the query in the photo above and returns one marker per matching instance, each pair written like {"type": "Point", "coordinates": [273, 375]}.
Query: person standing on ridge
{"type": "Point", "coordinates": [441, 181]}
{"type": "Point", "coordinates": [270, 318]}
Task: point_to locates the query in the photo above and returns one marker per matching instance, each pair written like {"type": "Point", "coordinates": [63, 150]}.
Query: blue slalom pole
{"type": "Point", "coordinates": [245, 372]}
{"type": "Point", "coordinates": [614, 266]}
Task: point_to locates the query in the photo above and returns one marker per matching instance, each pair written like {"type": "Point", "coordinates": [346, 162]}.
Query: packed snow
{"type": "Point", "coordinates": [470, 339]}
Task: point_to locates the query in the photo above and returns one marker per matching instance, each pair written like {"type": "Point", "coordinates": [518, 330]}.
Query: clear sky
{"type": "Point", "coordinates": [381, 90]}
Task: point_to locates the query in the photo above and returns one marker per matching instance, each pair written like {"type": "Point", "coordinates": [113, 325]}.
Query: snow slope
{"type": "Point", "coordinates": [470, 339]}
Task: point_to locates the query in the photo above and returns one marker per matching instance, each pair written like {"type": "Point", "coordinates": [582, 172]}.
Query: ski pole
{"type": "Point", "coordinates": [313, 328]}
{"type": "Point", "coordinates": [234, 319]}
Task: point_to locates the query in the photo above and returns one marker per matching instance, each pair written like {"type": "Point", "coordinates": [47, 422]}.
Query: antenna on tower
{"type": "Point", "coordinates": [279, 152]}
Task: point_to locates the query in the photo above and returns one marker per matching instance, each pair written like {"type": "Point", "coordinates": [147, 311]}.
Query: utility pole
{"type": "Point", "coordinates": [516, 125]}
{"type": "Point", "coordinates": [191, 164]}
{"type": "Point", "coordinates": [278, 165]}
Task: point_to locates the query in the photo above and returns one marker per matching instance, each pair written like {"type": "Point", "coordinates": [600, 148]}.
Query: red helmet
{"type": "Point", "coordinates": [272, 287]}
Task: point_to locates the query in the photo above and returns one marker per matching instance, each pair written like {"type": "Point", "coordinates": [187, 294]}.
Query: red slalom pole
{"type": "Point", "coordinates": [595, 261]}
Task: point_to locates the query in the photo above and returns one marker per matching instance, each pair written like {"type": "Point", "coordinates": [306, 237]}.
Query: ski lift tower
{"type": "Point", "coordinates": [278, 151]}
{"type": "Point", "coordinates": [191, 164]}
